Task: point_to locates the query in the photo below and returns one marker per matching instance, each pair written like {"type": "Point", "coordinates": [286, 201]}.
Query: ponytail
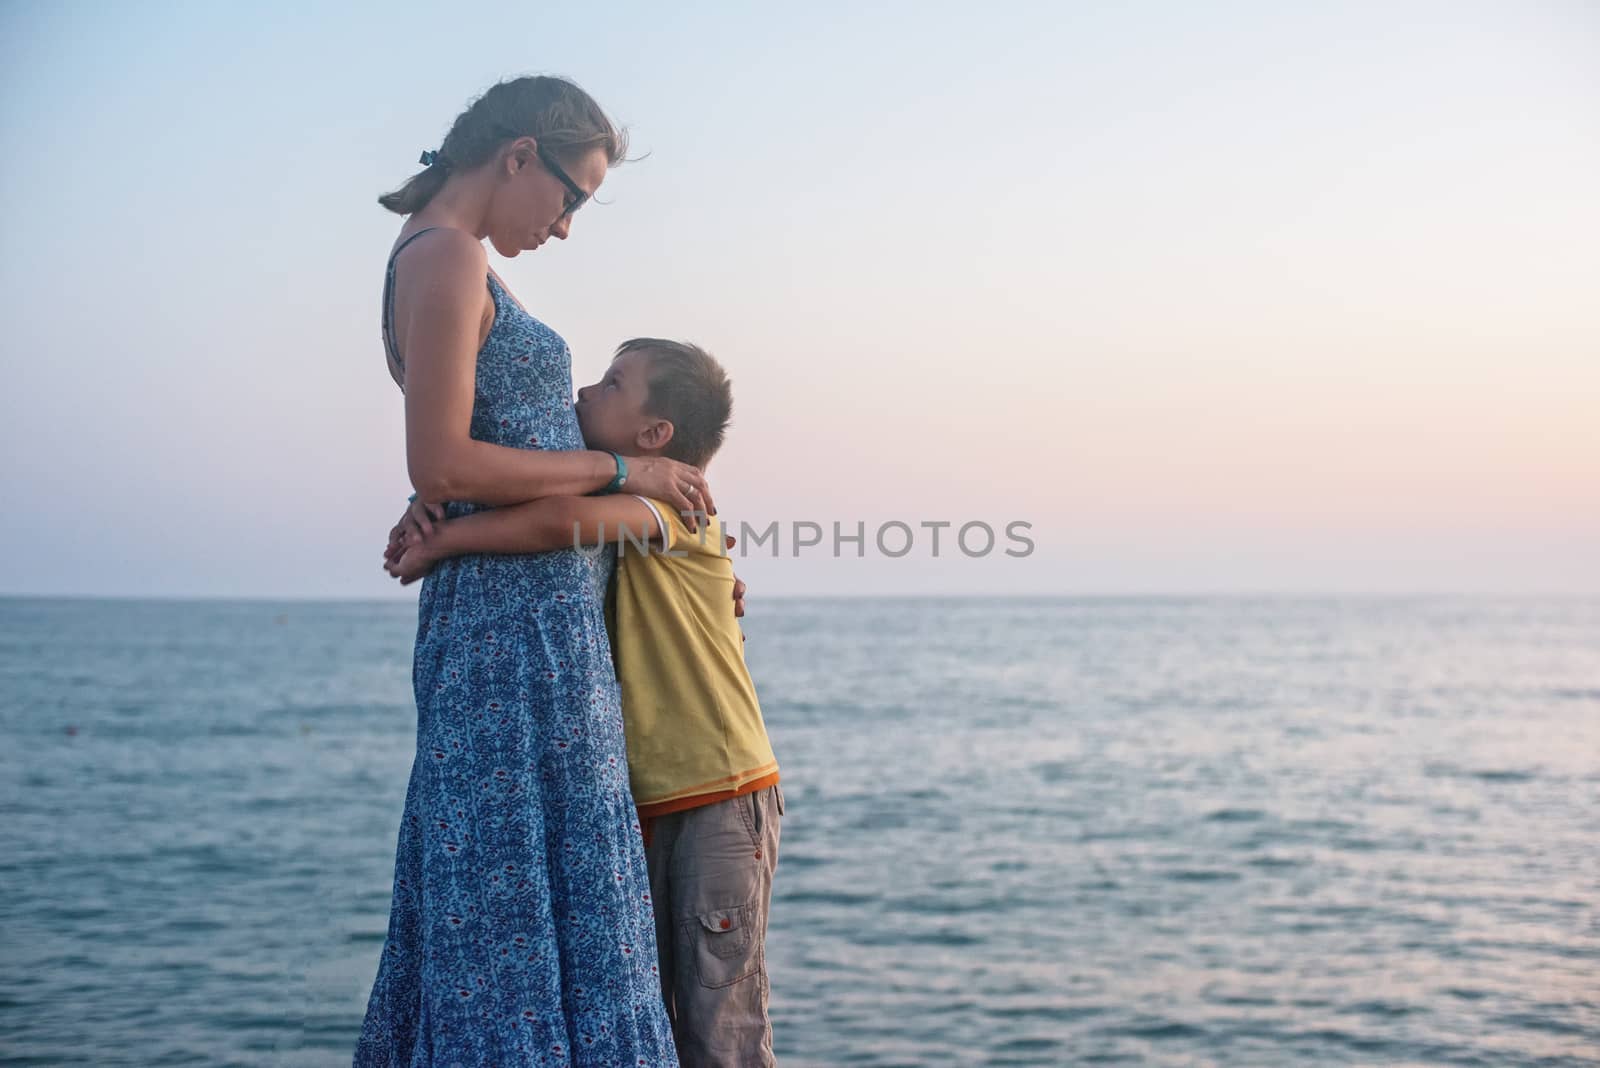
{"type": "Point", "coordinates": [419, 188]}
{"type": "Point", "coordinates": [561, 117]}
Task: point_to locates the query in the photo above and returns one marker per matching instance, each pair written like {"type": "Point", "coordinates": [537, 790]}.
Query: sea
{"type": "Point", "coordinates": [1209, 831]}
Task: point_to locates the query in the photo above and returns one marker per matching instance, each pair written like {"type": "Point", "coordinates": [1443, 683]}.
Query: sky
{"type": "Point", "coordinates": [1225, 298]}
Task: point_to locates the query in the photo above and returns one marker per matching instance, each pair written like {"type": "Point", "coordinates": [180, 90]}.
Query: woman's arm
{"type": "Point", "coordinates": [537, 526]}
{"type": "Point", "coordinates": [438, 309]}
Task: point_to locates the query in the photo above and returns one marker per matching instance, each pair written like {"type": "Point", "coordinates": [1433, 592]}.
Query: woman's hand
{"type": "Point", "coordinates": [679, 484]}
{"type": "Point", "coordinates": [738, 583]}
{"type": "Point", "coordinates": [415, 524]}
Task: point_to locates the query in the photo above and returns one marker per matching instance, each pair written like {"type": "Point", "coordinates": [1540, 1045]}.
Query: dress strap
{"type": "Point", "coordinates": [389, 346]}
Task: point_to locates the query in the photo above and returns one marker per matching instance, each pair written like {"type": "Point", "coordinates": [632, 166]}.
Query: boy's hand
{"type": "Point", "coordinates": [415, 524]}
{"type": "Point", "coordinates": [413, 562]}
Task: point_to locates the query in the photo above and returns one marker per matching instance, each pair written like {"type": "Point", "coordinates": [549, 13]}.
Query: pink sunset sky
{"type": "Point", "coordinates": [1256, 299]}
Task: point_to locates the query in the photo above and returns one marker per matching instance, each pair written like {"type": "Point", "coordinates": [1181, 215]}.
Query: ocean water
{"type": "Point", "coordinates": [1019, 832]}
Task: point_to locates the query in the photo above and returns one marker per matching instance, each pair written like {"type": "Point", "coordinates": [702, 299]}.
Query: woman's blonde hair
{"type": "Point", "coordinates": [561, 117]}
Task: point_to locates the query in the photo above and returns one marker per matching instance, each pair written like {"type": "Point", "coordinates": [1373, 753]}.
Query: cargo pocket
{"type": "Point", "coordinates": [725, 949]}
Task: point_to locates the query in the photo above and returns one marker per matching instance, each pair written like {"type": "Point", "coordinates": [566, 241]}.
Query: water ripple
{"type": "Point", "coordinates": [1142, 832]}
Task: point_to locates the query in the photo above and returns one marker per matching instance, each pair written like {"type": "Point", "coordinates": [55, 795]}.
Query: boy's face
{"type": "Point", "coordinates": [611, 413]}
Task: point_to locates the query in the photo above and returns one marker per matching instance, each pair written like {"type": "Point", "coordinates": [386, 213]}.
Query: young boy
{"type": "Point", "coordinates": [701, 766]}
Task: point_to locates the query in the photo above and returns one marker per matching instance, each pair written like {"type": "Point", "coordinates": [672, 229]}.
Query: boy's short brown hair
{"type": "Point", "coordinates": [689, 389]}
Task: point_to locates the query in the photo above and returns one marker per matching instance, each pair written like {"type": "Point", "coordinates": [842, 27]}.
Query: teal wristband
{"type": "Point", "coordinates": [619, 479]}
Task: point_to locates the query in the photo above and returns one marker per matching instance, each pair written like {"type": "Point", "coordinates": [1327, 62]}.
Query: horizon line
{"type": "Point", "coordinates": [1084, 595]}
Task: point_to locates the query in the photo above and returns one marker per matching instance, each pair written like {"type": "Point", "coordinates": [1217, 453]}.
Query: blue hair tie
{"type": "Point", "coordinates": [429, 158]}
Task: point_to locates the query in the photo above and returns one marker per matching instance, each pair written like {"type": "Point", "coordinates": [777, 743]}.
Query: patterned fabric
{"type": "Point", "coordinates": [521, 930]}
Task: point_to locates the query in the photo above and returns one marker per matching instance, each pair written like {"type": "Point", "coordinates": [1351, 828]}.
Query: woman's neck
{"type": "Point", "coordinates": [462, 204]}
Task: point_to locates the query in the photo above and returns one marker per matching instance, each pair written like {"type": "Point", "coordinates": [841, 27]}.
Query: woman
{"type": "Point", "coordinates": [521, 929]}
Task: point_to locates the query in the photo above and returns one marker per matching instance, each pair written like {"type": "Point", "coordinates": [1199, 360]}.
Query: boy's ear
{"type": "Point", "coordinates": [655, 436]}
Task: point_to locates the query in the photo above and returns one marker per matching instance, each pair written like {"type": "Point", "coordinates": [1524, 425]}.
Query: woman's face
{"type": "Point", "coordinates": [532, 204]}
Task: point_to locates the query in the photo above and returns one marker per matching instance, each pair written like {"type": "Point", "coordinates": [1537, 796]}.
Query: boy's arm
{"type": "Point", "coordinates": [547, 523]}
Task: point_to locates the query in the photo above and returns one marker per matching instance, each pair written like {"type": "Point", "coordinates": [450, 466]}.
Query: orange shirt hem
{"type": "Point", "coordinates": [648, 813]}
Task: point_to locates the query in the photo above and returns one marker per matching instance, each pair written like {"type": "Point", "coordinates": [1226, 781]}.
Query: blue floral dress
{"type": "Point", "coordinates": [521, 930]}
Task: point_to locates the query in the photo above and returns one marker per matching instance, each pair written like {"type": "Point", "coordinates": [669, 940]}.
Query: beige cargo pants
{"type": "Point", "coordinates": [711, 874]}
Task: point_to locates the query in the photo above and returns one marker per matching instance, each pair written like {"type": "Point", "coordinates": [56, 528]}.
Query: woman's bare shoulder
{"type": "Point", "coordinates": [443, 273]}
{"type": "Point", "coordinates": [441, 286]}
{"type": "Point", "coordinates": [443, 252]}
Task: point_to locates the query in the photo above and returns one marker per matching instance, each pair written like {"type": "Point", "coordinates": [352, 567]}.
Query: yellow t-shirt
{"type": "Point", "coordinates": [693, 725]}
